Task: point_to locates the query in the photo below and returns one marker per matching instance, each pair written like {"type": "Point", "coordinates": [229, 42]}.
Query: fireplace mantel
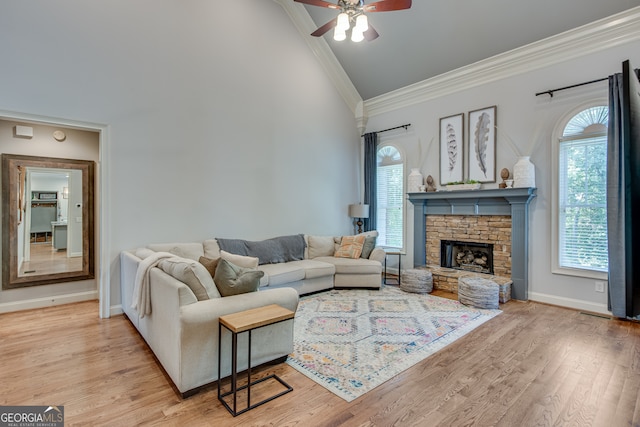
{"type": "Point", "coordinates": [500, 201]}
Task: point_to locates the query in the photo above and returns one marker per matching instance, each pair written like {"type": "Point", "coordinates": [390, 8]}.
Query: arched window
{"type": "Point", "coordinates": [390, 197]}
{"type": "Point", "coordinates": [582, 197]}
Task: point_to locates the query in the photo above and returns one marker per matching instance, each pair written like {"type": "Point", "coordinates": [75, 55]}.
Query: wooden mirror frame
{"type": "Point", "coordinates": [13, 202]}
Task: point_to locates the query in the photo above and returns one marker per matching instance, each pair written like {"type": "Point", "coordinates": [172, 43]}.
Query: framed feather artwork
{"type": "Point", "coordinates": [482, 145]}
{"type": "Point", "coordinates": [451, 149]}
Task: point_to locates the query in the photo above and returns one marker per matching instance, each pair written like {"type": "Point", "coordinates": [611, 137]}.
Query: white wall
{"type": "Point", "coordinates": [220, 120]}
{"type": "Point", "coordinates": [528, 121]}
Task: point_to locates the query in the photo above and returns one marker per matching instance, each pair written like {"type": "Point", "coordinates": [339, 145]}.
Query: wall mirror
{"type": "Point", "coordinates": [47, 220]}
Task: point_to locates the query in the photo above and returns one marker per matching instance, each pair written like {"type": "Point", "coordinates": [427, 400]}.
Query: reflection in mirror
{"type": "Point", "coordinates": [47, 232]}
{"type": "Point", "coordinates": [52, 243]}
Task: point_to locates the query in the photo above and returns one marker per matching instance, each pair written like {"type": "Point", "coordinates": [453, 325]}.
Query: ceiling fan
{"type": "Point", "coordinates": [353, 12]}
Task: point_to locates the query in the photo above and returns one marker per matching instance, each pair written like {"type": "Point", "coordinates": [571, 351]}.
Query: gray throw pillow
{"type": "Point", "coordinates": [369, 244]}
{"type": "Point", "coordinates": [231, 279]}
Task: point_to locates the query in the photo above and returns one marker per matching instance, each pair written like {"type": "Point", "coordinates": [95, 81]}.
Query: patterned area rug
{"type": "Point", "coordinates": [351, 341]}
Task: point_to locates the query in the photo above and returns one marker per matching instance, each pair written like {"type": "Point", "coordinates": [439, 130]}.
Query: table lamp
{"type": "Point", "coordinates": [358, 212]}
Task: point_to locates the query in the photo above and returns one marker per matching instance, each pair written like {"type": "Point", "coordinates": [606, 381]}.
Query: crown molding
{"type": "Point", "coordinates": [305, 25]}
{"type": "Point", "coordinates": [599, 35]}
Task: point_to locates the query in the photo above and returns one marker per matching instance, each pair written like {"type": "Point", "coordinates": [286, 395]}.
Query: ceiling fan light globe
{"type": "Point", "coordinates": [357, 36]}
{"type": "Point", "coordinates": [362, 23]}
{"type": "Point", "coordinates": [343, 22]}
{"type": "Point", "coordinates": [339, 35]}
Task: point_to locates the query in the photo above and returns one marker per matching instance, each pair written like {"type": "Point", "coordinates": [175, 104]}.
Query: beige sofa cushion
{"type": "Point", "coordinates": [353, 266]}
{"type": "Point", "coordinates": [240, 260]}
{"type": "Point", "coordinates": [282, 273]}
{"type": "Point", "coordinates": [320, 246]}
{"type": "Point", "coordinates": [143, 253]}
{"type": "Point", "coordinates": [185, 250]}
{"type": "Point", "coordinates": [314, 269]}
{"type": "Point", "coordinates": [193, 274]}
{"type": "Point", "coordinates": [211, 248]}
{"type": "Point", "coordinates": [372, 233]}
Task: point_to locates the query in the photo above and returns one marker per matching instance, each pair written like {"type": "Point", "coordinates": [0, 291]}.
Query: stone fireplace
{"type": "Point", "coordinates": [476, 257]}
{"type": "Point", "coordinates": [497, 217]}
{"type": "Point", "coordinates": [494, 230]}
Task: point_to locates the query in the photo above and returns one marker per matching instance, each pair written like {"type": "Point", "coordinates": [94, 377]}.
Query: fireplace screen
{"type": "Point", "coordinates": [470, 256]}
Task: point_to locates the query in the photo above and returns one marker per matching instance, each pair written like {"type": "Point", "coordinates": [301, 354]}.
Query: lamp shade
{"type": "Point", "coordinates": [359, 211]}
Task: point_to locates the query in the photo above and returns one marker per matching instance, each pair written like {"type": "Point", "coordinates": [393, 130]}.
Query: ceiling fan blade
{"type": "Point", "coordinates": [370, 34]}
{"type": "Point", "coordinates": [320, 3]}
{"type": "Point", "coordinates": [326, 27]}
{"type": "Point", "coordinates": [387, 5]}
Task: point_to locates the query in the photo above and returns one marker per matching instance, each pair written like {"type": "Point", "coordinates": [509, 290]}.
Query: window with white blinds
{"type": "Point", "coordinates": [389, 198]}
{"type": "Point", "coordinates": [582, 196]}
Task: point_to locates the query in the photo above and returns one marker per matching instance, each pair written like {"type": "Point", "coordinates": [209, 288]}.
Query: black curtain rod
{"type": "Point", "coordinates": [550, 92]}
{"type": "Point", "coordinates": [387, 130]}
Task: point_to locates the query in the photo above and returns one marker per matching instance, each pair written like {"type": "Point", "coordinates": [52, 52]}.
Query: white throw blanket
{"type": "Point", "coordinates": [141, 293]}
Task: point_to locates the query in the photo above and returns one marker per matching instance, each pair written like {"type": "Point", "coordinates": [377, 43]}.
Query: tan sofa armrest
{"type": "Point", "coordinates": [377, 254]}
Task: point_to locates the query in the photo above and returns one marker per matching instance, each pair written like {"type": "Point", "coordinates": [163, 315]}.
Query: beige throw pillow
{"type": "Point", "coordinates": [240, 260]}
{"type": "Point", "coordinates": [191, 251]}
{"type": "Point", "coordinates": [211, 248]}
{"type": "Point", "coordinates": [320, 246]}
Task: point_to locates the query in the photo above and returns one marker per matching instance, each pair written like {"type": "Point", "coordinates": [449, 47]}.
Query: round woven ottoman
{"type": "Point", "coordinates": [416, 280]}
{"type": "Point", "coordinates": [478, 292]}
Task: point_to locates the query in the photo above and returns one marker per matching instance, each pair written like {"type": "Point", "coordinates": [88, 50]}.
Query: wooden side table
{"type": "Point", "coordinates": [399, 254]}
{"type": "Point", "coordinates": [247, 321]}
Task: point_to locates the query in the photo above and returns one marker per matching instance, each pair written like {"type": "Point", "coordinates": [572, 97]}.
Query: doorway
{"type": "Point", "coordinates": [25, 134]}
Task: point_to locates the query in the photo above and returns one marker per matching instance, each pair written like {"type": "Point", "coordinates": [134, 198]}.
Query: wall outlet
{"type": "Point", "coordinates": [599, 286]}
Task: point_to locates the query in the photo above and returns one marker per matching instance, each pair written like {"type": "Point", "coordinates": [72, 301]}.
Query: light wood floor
{"type": "Point", "coordinates": [532, 365]}
{"type": "Point", "coordinates": [46, 260]}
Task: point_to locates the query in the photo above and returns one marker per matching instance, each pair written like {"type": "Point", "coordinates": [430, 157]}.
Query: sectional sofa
{"type": "Point", "coordinates": [178, 318]}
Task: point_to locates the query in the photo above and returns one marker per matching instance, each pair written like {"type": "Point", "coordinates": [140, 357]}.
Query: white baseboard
{"type": "Point", "coordinates": [8, 307]}
{"type": "Point", "coordinates": [115, 310]}
{"type": "Point", "coordinates": [570, 303]}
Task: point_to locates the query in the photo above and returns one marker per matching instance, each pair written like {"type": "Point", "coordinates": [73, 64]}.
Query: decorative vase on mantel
{"type": "Point", "coordinates": [524, 173]}
{"type": "Point", "coordinates": [414, 181]}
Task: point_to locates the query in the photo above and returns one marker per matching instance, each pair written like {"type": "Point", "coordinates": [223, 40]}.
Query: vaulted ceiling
{"type": "Point", "coordinates": [437, 36]}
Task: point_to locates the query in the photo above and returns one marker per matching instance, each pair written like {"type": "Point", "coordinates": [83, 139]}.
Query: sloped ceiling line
{"type": "Point", "coordinates": [603, 34]}
{"type": "Point", "coordinates": [320, 48]}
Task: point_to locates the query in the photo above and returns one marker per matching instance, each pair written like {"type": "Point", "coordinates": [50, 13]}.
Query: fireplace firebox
{"type": "Point", "coordinates": [470, 256]}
